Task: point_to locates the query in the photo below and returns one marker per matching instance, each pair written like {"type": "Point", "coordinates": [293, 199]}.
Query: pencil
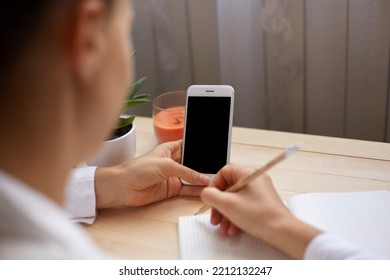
{"type": "Point", "coordinates": [242, 183]}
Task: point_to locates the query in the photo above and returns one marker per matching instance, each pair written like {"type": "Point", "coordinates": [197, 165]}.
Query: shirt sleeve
{"type": "Point", "coordinates": [327, 246]}
{"type": "Point", "coordinates": [80, 195]}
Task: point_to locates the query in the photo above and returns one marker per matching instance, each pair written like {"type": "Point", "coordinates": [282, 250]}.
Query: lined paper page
{"type": "Point", "coordinates": [199, 240]}
{"type": "Point", "coordinates": [363, 217]}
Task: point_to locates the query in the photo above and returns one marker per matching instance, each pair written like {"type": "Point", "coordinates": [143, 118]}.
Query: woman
{"type": "Point", "coordinates": [64, 71]}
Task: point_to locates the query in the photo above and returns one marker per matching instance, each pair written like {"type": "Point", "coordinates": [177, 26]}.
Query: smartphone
{"type": "Point", "coordinates": [207, 129]}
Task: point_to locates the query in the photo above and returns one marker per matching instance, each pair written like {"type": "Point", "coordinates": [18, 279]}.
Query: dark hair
{"type": "Point", "coordinates": [20, 20]}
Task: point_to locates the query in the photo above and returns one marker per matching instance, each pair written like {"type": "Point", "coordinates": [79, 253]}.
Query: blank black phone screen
{"type": "Point", "coordinates": [207, 133]}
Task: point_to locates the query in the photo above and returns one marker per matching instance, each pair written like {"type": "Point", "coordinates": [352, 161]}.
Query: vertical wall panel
{"type": "Point", "coordinates": [204, 39]}
{"type": "Point", "coordinates": [326, 32]}
{"type": "Point", "coordinates": [241, 58]}
{"type": "Point", "coordinates": [177, 73]}
{"type": "Point", "coordinates": [298, 84]}
{"type": "Point", "coordinates": [368, 62]}
{"type": "Point", "coordinates": [388, 116]}
{"type": "Point", "coordinates": [144, 44]}
{"type": "Point", "coordinates": [388, 106]}
{"type": "Point", "coordinates": [284, 67]}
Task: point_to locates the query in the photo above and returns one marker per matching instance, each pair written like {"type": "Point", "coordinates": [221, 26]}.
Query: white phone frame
{"type": "Point", "coordinates": [214, 91]}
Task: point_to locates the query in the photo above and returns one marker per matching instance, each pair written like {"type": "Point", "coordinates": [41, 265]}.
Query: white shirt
{"type": "Point", "coordinates": [34, 227]}
{"type": "Point", "coordinates": [327, 246]}
{"type": "Point", "coordinates": [80, 195]}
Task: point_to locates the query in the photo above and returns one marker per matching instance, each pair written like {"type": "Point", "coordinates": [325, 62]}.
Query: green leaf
{"type": "Point", "coordinates": [125, 121]}
{"type": "Point", "coordinates": [135, 102]}
{"type": "Point", "coordinates": [142, 96]}
{"type": "Point", "coordinates": [136, 86]}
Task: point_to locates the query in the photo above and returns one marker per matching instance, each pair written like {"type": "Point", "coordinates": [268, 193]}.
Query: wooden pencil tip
{"type": "Point", "coordinates": [201, 210]}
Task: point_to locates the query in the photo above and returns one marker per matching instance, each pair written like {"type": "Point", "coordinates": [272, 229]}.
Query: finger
{"type": "Point", "coordinates": [173, 150]}
{"type": "Point", "coordinates": [190, 190]}
{"type": "Point", "coordinates": [173, 186]}
{"type": "Point", "coordinates": [224, 226]}
{"type": "Point", "coordinates": [229, 175]}
{"type": "Point", "coordinates": [224, 202]}
{"type": "Point", "coordinates": [176, 151]}
{"type": "Point", "coordinates": [174, 169]}
{"type": "Point", "coordinates": [219, 180]}
{"type": "Point", "coordinates": [167, 150]}
{"type": "Point", "coordinates": [216, 217]}
{"type": "Point", "coordinates": [233, 230]}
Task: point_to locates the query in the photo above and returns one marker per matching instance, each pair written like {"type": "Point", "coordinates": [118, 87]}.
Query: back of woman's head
{"type": "Point", "coordinates": [19, 22]}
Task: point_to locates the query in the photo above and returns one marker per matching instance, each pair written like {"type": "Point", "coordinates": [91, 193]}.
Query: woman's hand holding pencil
{"type": "Point", "coordinates": [241, 199]}
{"type": "Point", "coordinates": [242, 183]}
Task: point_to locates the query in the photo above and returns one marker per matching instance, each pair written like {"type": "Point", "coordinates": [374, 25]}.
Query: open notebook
{"type": "Point", "coordinates": [363, 217]}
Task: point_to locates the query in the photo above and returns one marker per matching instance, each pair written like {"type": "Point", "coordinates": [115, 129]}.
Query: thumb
{"type": "Point", "coordinates": [223, 202]}
{"type": "Point", "coordinates": [177, 170]}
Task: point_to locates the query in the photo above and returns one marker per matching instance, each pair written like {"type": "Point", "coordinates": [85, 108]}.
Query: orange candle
{"type": "Point", "coordinates": [169, 124]}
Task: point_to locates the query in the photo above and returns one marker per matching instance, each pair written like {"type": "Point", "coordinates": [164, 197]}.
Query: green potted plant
{"type": "Point", "coordinates": [121, 146]}
{"type": "Point", "coordinates": [125, 122]}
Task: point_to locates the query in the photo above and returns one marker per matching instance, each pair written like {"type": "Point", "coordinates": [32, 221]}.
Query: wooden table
{"type": "Point", "coordinates": [324, 164]}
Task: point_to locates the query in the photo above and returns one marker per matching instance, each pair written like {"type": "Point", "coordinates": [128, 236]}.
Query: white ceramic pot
{"type": "Point", "coordinates": [116, 151]}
